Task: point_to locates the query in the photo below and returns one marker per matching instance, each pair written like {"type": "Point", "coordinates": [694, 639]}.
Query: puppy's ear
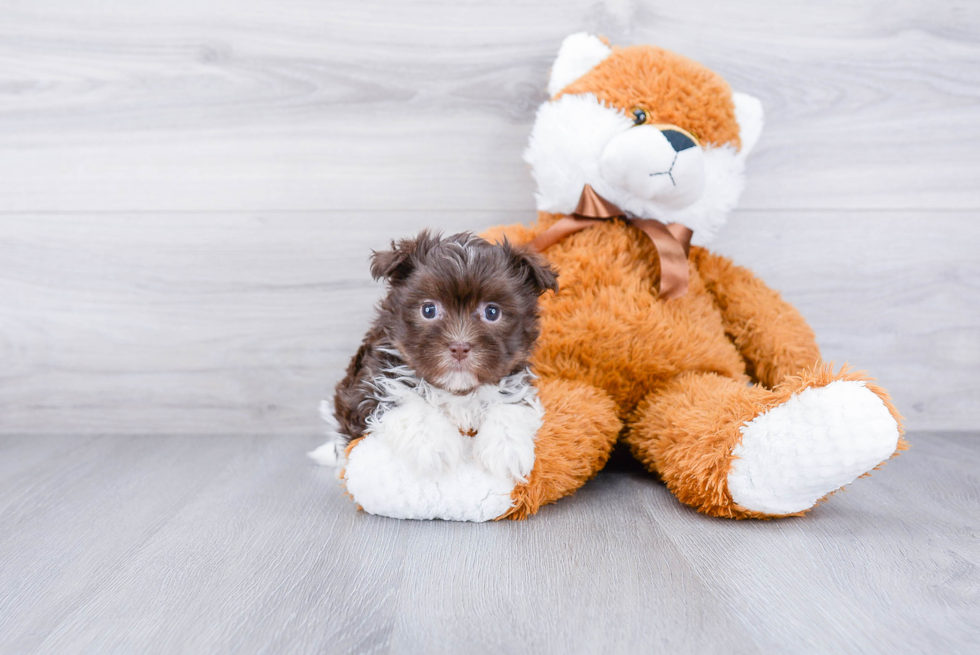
{"type": "Point", "coordinates": [537, 273]}
{"type": "Point", "coordinates": [395, 265]}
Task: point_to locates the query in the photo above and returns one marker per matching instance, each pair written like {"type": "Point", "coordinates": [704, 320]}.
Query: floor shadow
{"type": "Point", "coordinates": [621, 461]}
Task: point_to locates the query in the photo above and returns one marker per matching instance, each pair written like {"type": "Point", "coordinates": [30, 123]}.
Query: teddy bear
{"type": "Point", "coordinates": [713, 382]}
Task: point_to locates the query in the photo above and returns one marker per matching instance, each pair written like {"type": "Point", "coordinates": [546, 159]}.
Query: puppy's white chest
{"type": "Point", "coordinates": [466, 413]}
{"type": "Point", "coordinates": [432, 454]}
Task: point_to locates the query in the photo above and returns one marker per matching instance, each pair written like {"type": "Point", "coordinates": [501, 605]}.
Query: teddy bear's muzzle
{"type": "Point", "coordinates": [661, 163]}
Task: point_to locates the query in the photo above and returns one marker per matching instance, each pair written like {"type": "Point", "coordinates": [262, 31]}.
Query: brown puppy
{"type": "Point", "coordinates": [451, 340]}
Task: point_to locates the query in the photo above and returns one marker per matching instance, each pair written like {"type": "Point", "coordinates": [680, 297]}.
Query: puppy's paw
{"type": "Point", "coordinates": [421, 437]}
{"type": "Point", "coordinates": [438, 449]}
{"type": "Point", "coordinates": [504, 444]}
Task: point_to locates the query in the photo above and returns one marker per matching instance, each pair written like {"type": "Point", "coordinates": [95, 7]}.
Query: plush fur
{"type": "Point", "coordinates": [674, 373]}
{"type": "Point", "coordinates": [671, 88]}
{"type": "Point", "coordinates": [822, 438]}
{"type": "Point", "coordinates": [587, 135]}
{"type": "Point", "coordinates": [672, 378]}
{"type": "Point", "coordinates": [720, 392]}
{"type": "Point", "coordinates": [382, 483]}
{"type": "Point", "coordinates": [579, 54]}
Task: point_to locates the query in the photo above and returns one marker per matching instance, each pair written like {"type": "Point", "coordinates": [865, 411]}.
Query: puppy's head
{"type": "Point", "coordinates": [461, 310]}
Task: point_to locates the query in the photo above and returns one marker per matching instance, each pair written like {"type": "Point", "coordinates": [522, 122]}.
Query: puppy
{"type": "Point", "coordinates": [442, 374]}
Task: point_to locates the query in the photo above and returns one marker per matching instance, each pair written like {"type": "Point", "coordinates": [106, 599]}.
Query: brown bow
{"type": "Point", "coordinates": [672, 241]}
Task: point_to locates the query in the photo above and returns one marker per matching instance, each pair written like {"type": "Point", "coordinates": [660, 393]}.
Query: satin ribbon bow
{"type": "Point", "coordinates": [672, 241]}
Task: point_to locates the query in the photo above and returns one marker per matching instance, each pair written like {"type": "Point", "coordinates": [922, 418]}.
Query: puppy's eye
{"type": "Point", "coordinates": [491, 313]}
{"type": "Point", "coordinates": [639, 116]}
{"type": "Point", "coordinates": [429, 311]}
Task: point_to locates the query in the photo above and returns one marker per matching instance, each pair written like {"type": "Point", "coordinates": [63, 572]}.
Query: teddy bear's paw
{"type": "Point", "coordinates": [381, 482]}
{"type": "Point", "coordinates": [813, 444]}
{"type": "Point", "coordinates": [504, 444]}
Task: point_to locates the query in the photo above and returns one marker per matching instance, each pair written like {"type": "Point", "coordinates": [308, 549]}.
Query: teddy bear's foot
{"type": "Point", "coordinates": [380, 481]}
{"type": "Point", "coordinates": [731, 450]}
{"type": "Point", "coordinates": [810, 446]}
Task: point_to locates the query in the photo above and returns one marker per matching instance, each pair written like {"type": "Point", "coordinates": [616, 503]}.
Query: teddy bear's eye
{"type": "Point", "coordinates": [639, 116]}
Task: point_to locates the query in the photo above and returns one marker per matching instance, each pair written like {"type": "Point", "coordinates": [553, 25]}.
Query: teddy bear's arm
{"type": "Point", "coordinates": [770, 333]}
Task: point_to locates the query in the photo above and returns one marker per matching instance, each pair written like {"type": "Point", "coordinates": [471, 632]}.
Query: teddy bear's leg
{"type": "Point", "coordinates": [580, 428]}
{"type": "Point", "coordinates": [731, 450]}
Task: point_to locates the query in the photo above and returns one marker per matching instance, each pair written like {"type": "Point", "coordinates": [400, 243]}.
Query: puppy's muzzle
{"type": "Point", "coordinates": [460, 350]}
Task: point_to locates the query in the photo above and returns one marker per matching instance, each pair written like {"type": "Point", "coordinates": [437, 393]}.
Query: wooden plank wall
{"type": "Point", "coordinates": [189, 191]}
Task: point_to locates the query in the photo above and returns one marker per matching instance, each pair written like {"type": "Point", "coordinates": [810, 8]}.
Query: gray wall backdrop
{"type": "Point", "coordinates": [189, 190]}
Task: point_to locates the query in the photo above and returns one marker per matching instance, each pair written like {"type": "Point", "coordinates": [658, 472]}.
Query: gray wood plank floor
{"type": "Point", "coordinates": [221, 544]}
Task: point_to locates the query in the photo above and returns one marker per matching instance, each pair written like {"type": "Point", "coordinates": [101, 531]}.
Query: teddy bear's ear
{"type": "Point", "coordinates": [579, 53]}
{"type": "Point", "coordinates": [749, 115]}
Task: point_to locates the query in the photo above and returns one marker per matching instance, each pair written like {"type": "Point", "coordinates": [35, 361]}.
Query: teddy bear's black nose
{"type": "Point", "coordinates": [678, 140]}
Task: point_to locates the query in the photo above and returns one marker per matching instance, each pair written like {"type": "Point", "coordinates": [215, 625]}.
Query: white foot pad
{"type": "Point", "coordinates": [382, 484]}
{"type": "Point", "coordinates": [816, 442]}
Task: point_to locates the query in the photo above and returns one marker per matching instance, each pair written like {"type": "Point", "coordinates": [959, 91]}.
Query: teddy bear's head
{"type": "Point", "coordinates": [654, 133]}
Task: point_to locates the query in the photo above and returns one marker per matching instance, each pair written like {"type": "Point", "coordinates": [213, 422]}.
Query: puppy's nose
{"type": "Point", "coordinates": [459, 350]}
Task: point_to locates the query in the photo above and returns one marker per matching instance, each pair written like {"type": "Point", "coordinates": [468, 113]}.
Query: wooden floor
{"type": "Point", "coordinates": [236, 544]}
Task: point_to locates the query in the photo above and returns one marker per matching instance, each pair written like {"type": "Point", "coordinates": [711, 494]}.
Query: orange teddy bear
{"type": "Point", "coordinates": [712, 380]}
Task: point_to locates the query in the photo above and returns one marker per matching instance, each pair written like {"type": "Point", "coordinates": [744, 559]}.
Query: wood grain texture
{"type": "Point", "coordinates": [189, 189]}
{"type": "Point", "coordinates": [173, 323]}
{"type": "Point", "coordinates": [224, 544]}
{"type": "Point", "coordinates": [254, 105]}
